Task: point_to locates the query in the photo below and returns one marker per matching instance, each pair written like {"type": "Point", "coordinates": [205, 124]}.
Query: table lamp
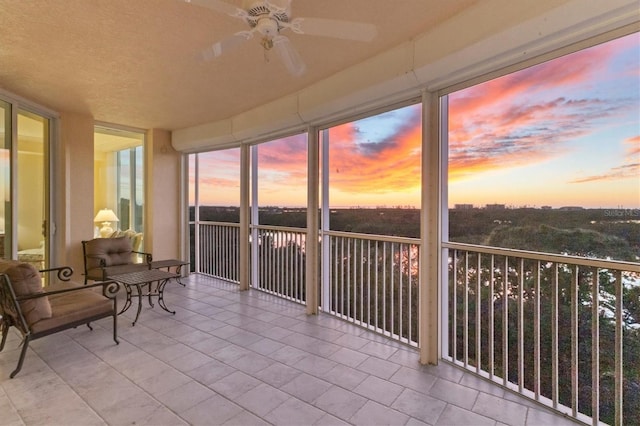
{"type": "Point", "coordinates": [106, 216]}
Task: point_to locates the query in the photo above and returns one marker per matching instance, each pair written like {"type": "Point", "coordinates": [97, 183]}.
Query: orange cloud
{"type": "Point", "coordinates": [388, 165]}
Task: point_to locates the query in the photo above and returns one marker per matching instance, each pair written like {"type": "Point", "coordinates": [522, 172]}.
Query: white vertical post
{"type": "Point", "coordinates": [312, 238]}
{"type": "Point", "coordinates": [430, 231]}
{"type": "Point", "coordinates": [245, 262]}
{"type": "Point", "coordinates": [326, 240]}
{"type": "Point", "coordinates": [443, 279]}
{"type": "Point", "coordinates": [255, 278]}
{"type": "Point", "coordinates": [196, 213]}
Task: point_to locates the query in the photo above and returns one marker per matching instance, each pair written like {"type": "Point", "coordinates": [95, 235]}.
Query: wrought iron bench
{"type": "Point", "coordinates": [37, 312]}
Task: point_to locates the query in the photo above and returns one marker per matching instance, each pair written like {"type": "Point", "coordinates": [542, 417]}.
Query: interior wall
{"type": "Point", "coordinates": [162, 199]}
{"type": "Point", "coordinates": [100, 182]}
{"type": "Point", "coordinates": [74, 190]}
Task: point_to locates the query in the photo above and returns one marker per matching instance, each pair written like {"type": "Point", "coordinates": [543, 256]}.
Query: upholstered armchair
{"type": "Point", "coordinates": [110, 256]}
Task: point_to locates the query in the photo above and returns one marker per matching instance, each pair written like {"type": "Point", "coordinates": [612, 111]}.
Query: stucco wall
{"type": "Point", "coordinates": [162, 199]}
{"type": "Point", "coordinates": [74, 190]}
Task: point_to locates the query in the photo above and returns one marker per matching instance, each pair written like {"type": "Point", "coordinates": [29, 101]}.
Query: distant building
{"type": "Point", "coordinates": [570, 208]}
{"type": "Point", "coordinates": [495, 206]}
{"type": "Point", "coordinates": [463, 206]}
{"type": "Point", "coordinates": [546, 207]}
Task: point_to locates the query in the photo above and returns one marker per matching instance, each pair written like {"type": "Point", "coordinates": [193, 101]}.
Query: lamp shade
{"type": "Point", "coordinates": [106, 215]}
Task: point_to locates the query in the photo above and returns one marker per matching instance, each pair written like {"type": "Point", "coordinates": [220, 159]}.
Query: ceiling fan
{"type": "Point", "coordinates": [268, 18]}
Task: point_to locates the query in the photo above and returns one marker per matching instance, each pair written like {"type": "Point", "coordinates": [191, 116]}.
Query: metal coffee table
{"type": "Point", "coordinates": [141, 279]}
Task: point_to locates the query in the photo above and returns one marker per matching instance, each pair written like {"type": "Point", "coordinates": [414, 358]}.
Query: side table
{"type": "Point", "coordinates": [170, 263]}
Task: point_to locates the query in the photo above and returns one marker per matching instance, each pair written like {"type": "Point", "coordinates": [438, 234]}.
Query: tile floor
{"type": "Point", "coordinates": [242, 358]}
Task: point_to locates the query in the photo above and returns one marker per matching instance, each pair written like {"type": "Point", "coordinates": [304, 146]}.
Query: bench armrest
{"type": "Point", "coordinates": [109, 289]}
{"type": "Point", "coordinates": [147, 256]}
{"type": "Point", "coordinates": [64, 272]}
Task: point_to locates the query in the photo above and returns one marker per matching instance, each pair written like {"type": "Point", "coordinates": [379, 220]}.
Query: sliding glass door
{"type": "Point", "coordinates": [5, 179]}
{"type": "Point", "coordinates": [24, 184]}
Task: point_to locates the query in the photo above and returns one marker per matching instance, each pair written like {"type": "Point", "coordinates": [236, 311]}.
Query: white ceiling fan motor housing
{"type": "Point", "coordinates": [268, 27]}
{"type": "Point", "coordinates": [280, 10]}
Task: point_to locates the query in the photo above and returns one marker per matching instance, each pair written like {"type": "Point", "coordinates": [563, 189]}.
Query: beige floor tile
{"type": "Point", "coordinates": [456, 416]}
{"type": "Point", "coordinates": [373, 413]}
{"type": "Point", "coordinates": [242, 358]}
{"type": "Point", "coordinates": [419, 406]}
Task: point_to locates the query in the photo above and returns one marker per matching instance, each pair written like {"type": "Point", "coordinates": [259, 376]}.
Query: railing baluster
{"type": "Point", "coordinates": [454, 331]}
{"type": "Point", "coordinates": [361, 280]}
{"type": "Point", "coordinates": [521, 325]}
{"type": "Point", "coordinates": [369, 298]}
{"type": "Point", "coordinates": [491, 319]}
{"type": "Point", "coordinates": [297, 256]}
{"type": "Point", "coordinates": [595, 348]}
{"type": "Point", "coordinates": [225, 242]}
{"type": "Point", "coordinates": [536, 333]}
{"type": "Point", "coordinates": [401, 252]}
{"type": "Point", "coordinates": [410, 293]}
{"type": "Point", "coordinates": [342, 268]}
{"type": "Point", "coordinates": [392, 302]}
{"type": "Point", "coordinates": [348, 278]}
{"type": "Point", "coordinates": [618, 352]}
{"type": "Point", "coordinates": [281, 264]}
{"type": "Point", "coordinates": [554, 337]}
{"type": "Point", "coordinates": [280, 283]}
{"type": "Point", "coordinates": [377, 323]}
{"type": "Point", "coordinates": [466, 309]}
{"type": "Point", "coordinates": [337, 285]}
{"type": "Point", "coordinates": [575, 282]}
{"type": "Point", "coordinates": [384, 286]}
{"type": "Point", "coordinates": [262, 263]}
{"type": "Point", "coordinates": [478, 311]}
{"type": "Point", "coordinates": [505, 322]}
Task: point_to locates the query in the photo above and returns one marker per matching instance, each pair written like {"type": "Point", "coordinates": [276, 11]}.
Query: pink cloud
{"type": "Point", "coordinates": [633, 148]}
{"type": "Point", "coordinates": [515, 119]}
{"type": "Point", "coordinates": [629, 170]}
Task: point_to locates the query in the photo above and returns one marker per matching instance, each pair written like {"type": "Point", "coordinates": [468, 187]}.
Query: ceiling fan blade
{"type": "Point", "coordinates": [347, 30]}
{"type": "Point", "coordinates": [220, 6]}
{"type": "Point", "coordinates": [289, 55]}
{"type": "Point", "coordinates": [225, 45]}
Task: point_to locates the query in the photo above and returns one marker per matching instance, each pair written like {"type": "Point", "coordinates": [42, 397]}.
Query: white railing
{"type": "Point", "coordinates": [219, 250]}
{"type": "Point", "coordinates": [280, 261]}
{"type": "Point", "coordinates": [372, 281]}
{"type": "Point", "coordinates": [554, 328]}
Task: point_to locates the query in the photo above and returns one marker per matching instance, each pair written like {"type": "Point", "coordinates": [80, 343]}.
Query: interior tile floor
{"type": "Point", "coordinates": [242, 358]}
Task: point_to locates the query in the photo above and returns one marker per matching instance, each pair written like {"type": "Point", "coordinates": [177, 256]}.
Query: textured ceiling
{"type": "Point", "coordinates": [137, 63]}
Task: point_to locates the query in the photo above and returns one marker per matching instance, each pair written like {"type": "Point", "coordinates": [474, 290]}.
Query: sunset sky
{"type": "Point", "coordinates": [562, 133]}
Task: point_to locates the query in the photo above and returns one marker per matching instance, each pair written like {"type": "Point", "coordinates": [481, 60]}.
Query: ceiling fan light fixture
{"type": "Point", "coordinates": [267, 43]}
